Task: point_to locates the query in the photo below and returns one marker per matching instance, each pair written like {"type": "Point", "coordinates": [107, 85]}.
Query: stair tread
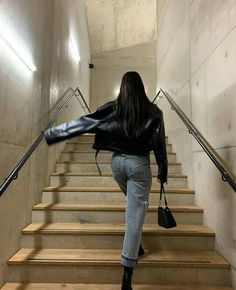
{"type": "Point", "coordinates": [92, 228]}
{"type": "Point", "coordinates": [194, 259]}
{"type": "Point", "coordinates": [109, 206]}
{"type": "Point", "coordinates": [91, 135]}
{"type": "Point", "coordinates": [106, 162]}
{"type": "Point", "coordinates": [101, 152]}
{"type": "Point", "coordinates": [110, 189]}
{"type": "Point", "coordinates": [96, 174]}
{"type": "Point", "coordinates": [70, 286]}
{"type": "Point", "coordinates": [91, 143]}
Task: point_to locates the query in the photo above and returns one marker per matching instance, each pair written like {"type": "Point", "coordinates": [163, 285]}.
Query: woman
{"type": "Point", "coordinates": [131, 127]}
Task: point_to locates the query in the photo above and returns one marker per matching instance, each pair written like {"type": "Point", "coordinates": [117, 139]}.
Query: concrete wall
{"type": "Point", "coordinates": [115, 24]}
{"type": "Point", "coordinates": [110, 67]}
{"type": "Point", "coordinates": [26, 98]}
{"type": "Point", "coordinates": [196, 63]}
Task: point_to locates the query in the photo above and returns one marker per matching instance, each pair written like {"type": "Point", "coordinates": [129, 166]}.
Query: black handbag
{"type": "Point", "coordinates": [165, 217]}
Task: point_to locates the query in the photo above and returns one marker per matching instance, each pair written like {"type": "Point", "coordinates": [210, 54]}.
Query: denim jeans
{"type": "Point", "coordinates": [134, 177]}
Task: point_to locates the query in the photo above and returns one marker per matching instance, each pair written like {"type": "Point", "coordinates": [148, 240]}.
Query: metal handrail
{"type": "Point", "coordinates": [227, 174]}
{"type": "Point", "coordinates": [14, 173]}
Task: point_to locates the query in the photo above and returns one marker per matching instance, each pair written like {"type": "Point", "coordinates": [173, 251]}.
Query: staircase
{"type": "Point", "coordinates": [75, 239]}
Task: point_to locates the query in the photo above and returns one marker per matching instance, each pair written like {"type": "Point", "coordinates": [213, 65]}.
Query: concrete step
{"type": "Point", "coordinates": [103, 266]}
{"type": "Point", "coordinates": [55, 286]}
{"type": "Point", "coordinates": [90, 138]}
{"type": "Point", "coordinates": [76, 167]}
{"type": "Point", "coordinates": [102, 213]}
{"type": "Point", "coordinates": [85, 138]}
{"type": "Point", "coordinates": [86, 179]}
{"type": "Point", "coordinates": [178, 196]}
{"type": "Point", "coordinates": [87, 147]}
{"type": "Point", "coordinates": [103, 156]}
{"type": "Point", "coordinates": [110, 236]}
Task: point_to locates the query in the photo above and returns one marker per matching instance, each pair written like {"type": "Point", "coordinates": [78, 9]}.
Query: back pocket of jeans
{"type": "Point", "coordinates": [115, 163]}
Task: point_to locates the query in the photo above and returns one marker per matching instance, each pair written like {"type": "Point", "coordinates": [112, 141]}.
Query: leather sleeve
{"type": "Point", "coordinates": [159, 148]}
{"type": "Point", "coordinates": [85, 124]}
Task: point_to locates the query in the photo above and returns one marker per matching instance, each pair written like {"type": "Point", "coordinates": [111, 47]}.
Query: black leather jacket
{"type": "Point", "coordinates": [108, 136]}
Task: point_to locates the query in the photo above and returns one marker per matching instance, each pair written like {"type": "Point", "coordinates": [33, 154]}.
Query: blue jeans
{"type": "Point", "coordinates": [134, 177]}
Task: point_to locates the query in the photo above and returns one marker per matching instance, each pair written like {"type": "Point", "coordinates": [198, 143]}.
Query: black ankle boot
{"type": "Point", "coordinates": [127, 279]}
{"type": "Point", "coordinates": [141, 251]}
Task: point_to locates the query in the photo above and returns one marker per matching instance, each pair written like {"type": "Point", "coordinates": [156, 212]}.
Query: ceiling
{"type": "Point", "coordinates": [115, 24]}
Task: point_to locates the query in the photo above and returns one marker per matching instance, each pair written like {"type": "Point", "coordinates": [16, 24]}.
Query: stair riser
{"type": "Point", "coordinates": [102, 157]}
{"type": "Point", "coordinates": [88, 147]}
{"type": "Point", "coordinates": [103, 181]}
{"type": "Point", "coordinates": [113, 274]}
{"type": "Point", "coordinates": [113, 197]}
{"type": "Point", "coordinates": [105, 168]}
{"type": "Point", "coordinates": [111, 241]}
{"type": "Point", "coordinates": [105, 216]}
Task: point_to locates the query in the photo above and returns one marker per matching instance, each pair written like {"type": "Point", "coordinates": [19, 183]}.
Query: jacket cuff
{"type": "Point", "coordinates": [48, 136]}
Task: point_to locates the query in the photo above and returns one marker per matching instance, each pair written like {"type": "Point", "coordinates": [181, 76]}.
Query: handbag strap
{"type": "Point", "coordinates": [96, 154]}
{"type": "Point", "coordinates": [162, 190]}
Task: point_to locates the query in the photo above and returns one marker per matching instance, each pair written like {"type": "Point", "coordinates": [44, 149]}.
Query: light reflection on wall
{"type": "Point", "coordinates": [13, 46]}
{"type": "Point", "coordinates": [74, 51]}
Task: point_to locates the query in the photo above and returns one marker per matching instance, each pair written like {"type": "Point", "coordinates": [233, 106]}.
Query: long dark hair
{"type": "Point", "coordinates": [132, 102]}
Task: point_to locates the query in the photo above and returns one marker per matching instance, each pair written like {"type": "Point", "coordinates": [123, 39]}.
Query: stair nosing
{"type": "Point", "coordinates": [171, 175]}
{"type": "Point", "coordinates": [87, 230]}
{"type": "Point", "coordinates": [109, 207]}
{"type": "Point", "coordinates": [112, 189]}
{"type": "Point", "coordinates": [198, 262]}
{"type": "Point", "coordinates": [70, 286]}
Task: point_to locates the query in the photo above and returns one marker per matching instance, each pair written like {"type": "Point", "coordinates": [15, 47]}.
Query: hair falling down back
{"type": "Point", "coordinates": [132, 104]}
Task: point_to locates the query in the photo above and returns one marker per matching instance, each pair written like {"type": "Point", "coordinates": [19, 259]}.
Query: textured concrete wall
{"type": "Point", "coordinates": [26, 97]}
{"type": "Point", "coordinates": [110, 67]}
{"type": "Point", "coordinates": [115, 24]}
{"type": "Point", "coordinates": [196, 63]}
